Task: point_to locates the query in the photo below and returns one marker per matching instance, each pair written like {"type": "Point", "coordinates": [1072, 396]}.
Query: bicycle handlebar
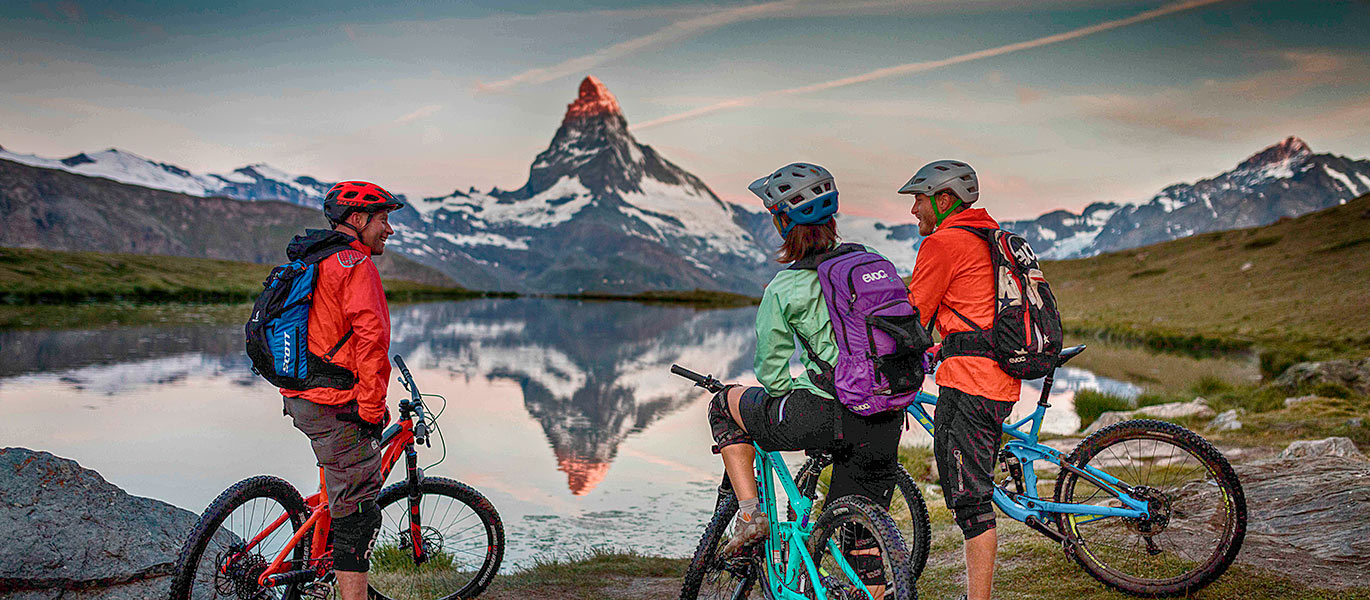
{"type": "Point", "coordinates": [421, 426]}
{"type": "Point", "coordinates": [705, 381]}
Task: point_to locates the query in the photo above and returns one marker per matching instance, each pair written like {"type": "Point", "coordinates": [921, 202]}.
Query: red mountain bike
{"type": "Point", "coordinates": [439, 538]}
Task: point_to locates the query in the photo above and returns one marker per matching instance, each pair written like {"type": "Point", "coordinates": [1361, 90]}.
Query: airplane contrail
{"type": "Point", "coordinates": [673, 32]}
{"type": "Point", "coordinates": [923, 66]}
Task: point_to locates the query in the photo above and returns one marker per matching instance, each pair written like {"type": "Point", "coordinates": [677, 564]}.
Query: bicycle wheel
{"type": "Point", "coordinates": [844, 520]}
{"type": "Point", "coordinates": [463, 539]}
{"type": "Point", "coordinates": [710, 577]}
{"type": "Point", "coordinates": [907, 507]}
{"type": "Point", "coordinates": [215, 563]}
{"type": "Point", "coordinates": [1198, 510]}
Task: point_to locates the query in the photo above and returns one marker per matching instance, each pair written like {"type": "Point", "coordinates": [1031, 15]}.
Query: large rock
{"type": "Point", "coordinates": [1334, 446]}
{"type": "Point", "coordinates": [1307, 518]}
{"type": "Point", "coordinates": [1353, 374]}
{"type": "Point", "coordinates": [68, 533]}
{"type": "Point", "coordinates": [1197, 407]}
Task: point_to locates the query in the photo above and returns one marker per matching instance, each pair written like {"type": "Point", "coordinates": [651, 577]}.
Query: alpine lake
{"type": "Point", "coordinates": [562, 412]}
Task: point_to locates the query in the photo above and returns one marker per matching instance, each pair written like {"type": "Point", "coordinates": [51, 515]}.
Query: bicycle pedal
{"type": "Point", "coordinates": [318, 591]}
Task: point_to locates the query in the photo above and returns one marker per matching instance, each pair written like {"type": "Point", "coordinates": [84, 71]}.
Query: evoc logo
{"type": "Point", "coordinates": [876, 276]}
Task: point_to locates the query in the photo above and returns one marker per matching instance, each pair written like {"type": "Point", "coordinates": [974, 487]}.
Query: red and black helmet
{"type": "Point", "coordinates": [346, 197]}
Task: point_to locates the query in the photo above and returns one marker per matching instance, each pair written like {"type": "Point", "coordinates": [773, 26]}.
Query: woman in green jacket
{"type": "Point", "coordinates": [793, 412]}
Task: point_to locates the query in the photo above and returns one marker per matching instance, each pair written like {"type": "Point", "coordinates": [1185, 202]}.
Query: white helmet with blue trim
{"type": "Point", "coordinates": [803, 192]}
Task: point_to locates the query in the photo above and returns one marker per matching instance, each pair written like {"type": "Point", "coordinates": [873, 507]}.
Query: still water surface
{"type": "Point", "coordinates": [563, 413]}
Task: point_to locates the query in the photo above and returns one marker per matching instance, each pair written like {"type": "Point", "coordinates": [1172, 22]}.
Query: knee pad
{"type": "Point", "coordinates": [975, 519]}
{"type": "Point", "coordinates": [354, 536]}
{"type": "Point", "coordinates": [725, 430]}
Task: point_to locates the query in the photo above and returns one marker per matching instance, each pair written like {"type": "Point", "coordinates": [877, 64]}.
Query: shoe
{"type": "Point", "coordinates": [747, 530]}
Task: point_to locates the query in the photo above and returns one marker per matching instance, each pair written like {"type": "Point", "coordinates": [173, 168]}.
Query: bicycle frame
{"type": "Point", "coordinates": [792, 535]}
{"type": "Point", "coordinates": [1027, 506]}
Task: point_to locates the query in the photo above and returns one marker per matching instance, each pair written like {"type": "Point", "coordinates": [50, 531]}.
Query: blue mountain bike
{"type": "Point", "coordinates": [1146, 507]}
{"type": "Point", "coordinates": [802, 558]}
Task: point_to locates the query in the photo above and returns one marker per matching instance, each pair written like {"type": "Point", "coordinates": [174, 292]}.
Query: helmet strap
{"type": "Point", "coordinates": [942, 216]}
{"type": "Point", "coordinates": [354, 228]}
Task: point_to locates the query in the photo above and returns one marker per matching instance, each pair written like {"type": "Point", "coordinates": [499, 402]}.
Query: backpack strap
{"type": "Point", "coordinates": [812, 261]}
{"type": "Point", "coordinates": [968, 343]}
{"type": "Point", "coordinates": [826, 380]}
{"type": "Point", "coordinates": [326, 251]}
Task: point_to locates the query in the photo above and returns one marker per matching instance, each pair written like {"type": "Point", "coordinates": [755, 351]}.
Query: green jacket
{"type": "Point", "coordinates": [793, 302]}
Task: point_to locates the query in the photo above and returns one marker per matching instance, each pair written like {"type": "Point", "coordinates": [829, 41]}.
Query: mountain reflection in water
{"type": "Point", "coordinates": [592, 373]}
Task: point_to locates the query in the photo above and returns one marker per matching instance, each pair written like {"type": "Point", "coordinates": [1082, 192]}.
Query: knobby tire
{"type": "Point", "coordinates": [710, 578]}
{"type": "Point", "coordinates": [463, 533]}
{"type": "Point", "coordinates": [223, 524]}
{"type": "Point", "coordinates": [911, 517]}
{"type": "Point", "coordinates": [1215, 502]}
{"type": "Point", "coordinates": [842, 515]}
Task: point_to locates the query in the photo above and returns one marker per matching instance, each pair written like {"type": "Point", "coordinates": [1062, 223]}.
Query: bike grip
{"type": "Point", "coordinates": [399, 362]}
{"type": "Point", "coordinates": [686, 373]}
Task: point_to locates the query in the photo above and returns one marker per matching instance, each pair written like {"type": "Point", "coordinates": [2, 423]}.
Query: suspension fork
{"type": "Point", "coordinates": [415, 477]}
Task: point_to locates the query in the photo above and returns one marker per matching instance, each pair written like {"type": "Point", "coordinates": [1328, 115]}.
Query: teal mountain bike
{"type": "Point", "coordinates": [803, 557]}
{"type": "Point", "coordinates": [1146, 507]}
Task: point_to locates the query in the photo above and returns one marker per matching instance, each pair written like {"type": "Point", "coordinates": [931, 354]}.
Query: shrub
{"type": "Point", "coordinates": [1274, 361]}
{"type": "Point", "coordinates": [1209, 385]}
{"type": "Point", "coordinates": [1090, 404]}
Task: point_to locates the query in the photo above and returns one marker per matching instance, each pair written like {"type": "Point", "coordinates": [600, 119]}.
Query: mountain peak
{"type": "Point", "coordinates": [1291, 148]}
{"type": "Point", "coordinates": [594, 99]}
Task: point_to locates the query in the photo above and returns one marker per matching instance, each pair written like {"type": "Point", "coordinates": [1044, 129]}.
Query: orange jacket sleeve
{"type": "Point", "coordinates": [932, 272]}
{"type": "Point", "coordinates": [364, 307]}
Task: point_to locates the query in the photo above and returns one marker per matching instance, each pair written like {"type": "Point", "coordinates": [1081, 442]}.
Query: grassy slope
{"type": "Point", "coordinates": [1306, 283]}
{"type": "Point", "coordinates": [49, 276]}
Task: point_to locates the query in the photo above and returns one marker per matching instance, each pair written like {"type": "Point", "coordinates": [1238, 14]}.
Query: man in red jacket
{"type": "Point", "coordinates": [349, 325]}
{"type": "Point", "coordinates": [953, 281]}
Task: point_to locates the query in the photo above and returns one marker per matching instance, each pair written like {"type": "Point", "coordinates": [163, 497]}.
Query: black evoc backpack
{"type": "Point", "coordinates": [1026, 337]}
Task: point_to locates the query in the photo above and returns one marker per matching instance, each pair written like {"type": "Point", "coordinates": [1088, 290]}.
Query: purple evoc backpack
{"type": "Point", "coordinates": [880, 341]}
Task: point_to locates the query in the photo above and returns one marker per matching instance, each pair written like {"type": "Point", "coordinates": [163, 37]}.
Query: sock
{"type": "Point", "coordinates": [748, 507]}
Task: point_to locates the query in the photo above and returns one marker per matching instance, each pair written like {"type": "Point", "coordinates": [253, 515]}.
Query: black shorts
{"type": "Point", "coordinates": [864, 460]}
{"type": "Point", "coordinates": [965, 444]}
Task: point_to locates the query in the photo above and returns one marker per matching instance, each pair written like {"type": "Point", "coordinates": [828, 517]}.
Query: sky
{"type": "Point", "coordinates": [1056, 103]}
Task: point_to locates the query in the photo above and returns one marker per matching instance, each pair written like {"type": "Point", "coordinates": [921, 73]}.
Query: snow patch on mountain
{"type": "Point", "coordinates": [252, 182]}
{"type": "Point", "coordinates": [1346, 181]}
{"type": "Point", "coordinates": [898, 243]}
{"type": "Point", "coordinates": [681, 211]}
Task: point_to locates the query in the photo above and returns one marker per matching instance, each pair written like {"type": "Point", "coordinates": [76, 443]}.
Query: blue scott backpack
{"type": "Point", "coordinates": [880, 341]}
{"type": "Point", "coordinates": [278, 332]}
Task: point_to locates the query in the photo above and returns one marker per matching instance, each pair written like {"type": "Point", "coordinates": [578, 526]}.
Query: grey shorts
{"type": "Point", "coordinates": [965, 444]}
{"type": "Point", "coordinates": [350, 458]}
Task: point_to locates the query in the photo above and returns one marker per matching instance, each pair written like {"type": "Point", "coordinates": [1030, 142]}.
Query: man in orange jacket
{"type": "Point", "coordinates": [349, 325]}
{"type": "Point", "coordinates": [953, 281]}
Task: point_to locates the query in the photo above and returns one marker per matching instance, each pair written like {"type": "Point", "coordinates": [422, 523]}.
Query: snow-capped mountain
{"type": "Point", "coordinates": [895, 241]}
{"type": "Point", "coordinates": [1284, 180]}
{"type": "Point", "coordinates": [252, 182]}
{"type": "Point", "coordinates": [600, 211]}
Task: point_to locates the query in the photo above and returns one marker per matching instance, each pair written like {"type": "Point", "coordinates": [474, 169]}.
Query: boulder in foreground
{"type": "Point", "coordinates": [70, 534]}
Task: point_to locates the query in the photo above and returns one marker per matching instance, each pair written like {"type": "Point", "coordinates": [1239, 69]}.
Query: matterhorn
{"type": "Point", "coordinates": [600, 212]}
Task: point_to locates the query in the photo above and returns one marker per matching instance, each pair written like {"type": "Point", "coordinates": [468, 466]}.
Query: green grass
{"type": "Point", "coordinates": [1265, 419]}
{"type": "Point", "coordinates": [34, 277]}
{"type": "Point", "coordinates": [584, 575]}
{"type": "Point", "coordinates": [1090, 404]}
{"type": "Point", "coordinates": [1029, 566]}
{"type": "Point", "coordinates": [1286, 286]}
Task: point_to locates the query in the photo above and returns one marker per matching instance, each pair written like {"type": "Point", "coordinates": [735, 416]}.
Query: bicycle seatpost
{"type": "Point", "coordinates": [1046, 389]}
